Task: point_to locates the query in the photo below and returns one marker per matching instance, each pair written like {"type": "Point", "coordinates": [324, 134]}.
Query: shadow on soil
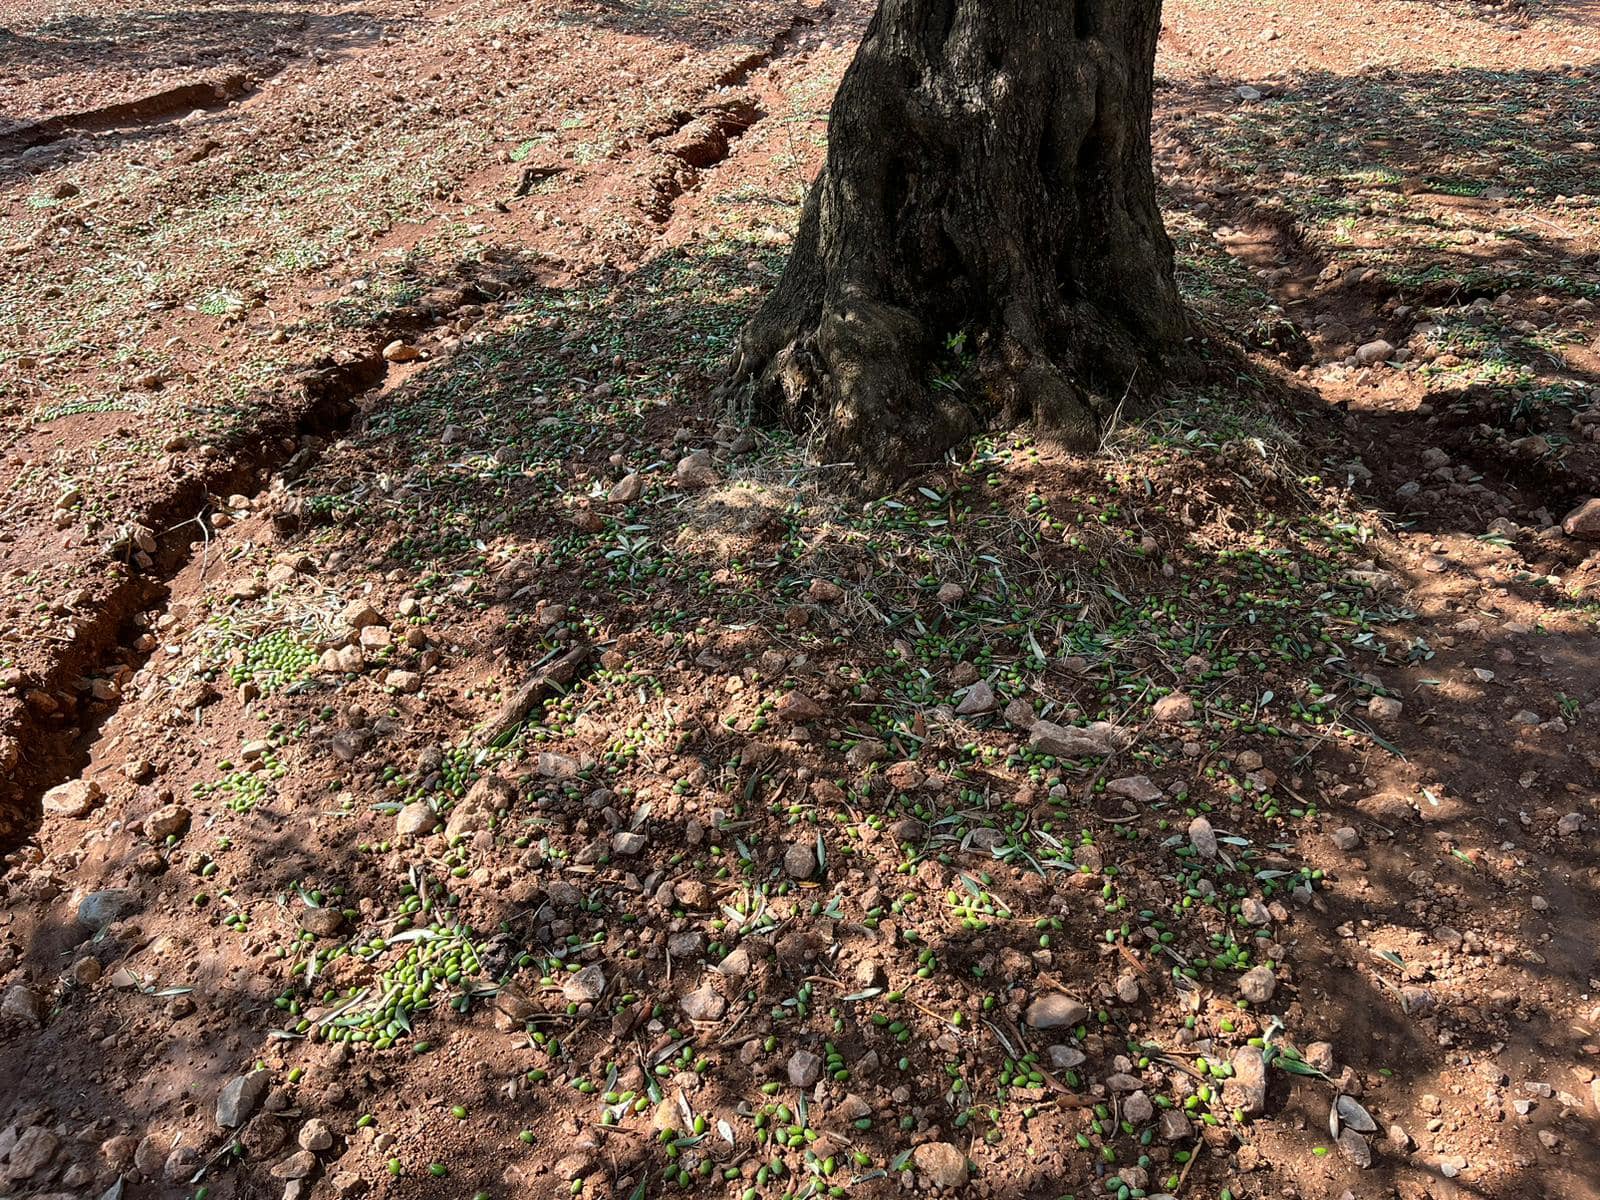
{"type": "Point", "coordinates": [482, 486]}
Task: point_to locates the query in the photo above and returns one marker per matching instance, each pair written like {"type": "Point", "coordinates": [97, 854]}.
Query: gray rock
{"type": "Point", "coordinates": [1173, 1126]}
{"type": "Point", "coordinates": [1355, 1148]}
{"type": "Point", "coordinates": [586, 985]}
{"type": "Point", "coordinates": [1067, 741]}
{"type": "Point", "coordinates": [696, 471]}
{"type": "Point", "coordinates": [1375, 351]}
{"type": "Point", "coordinates": [1056, 1010]}
{"type": "Point", "coordinates": [1138, 1108]}
{"type": "Point", "coordinates": [800, 861]}
{"type": "Point", "coordinates": [99, 909]}
{"type": "Point", "coordinates": [1345, 838]}
{"type": "Point", "coordinates": [240, 1097]}
{"type": "Point", "coordinates": [1254, 911]}
{"type": "Point", "coordinates": [1065, 1058]}
{"type": "Point", "coordinates": [979, 699]}
{"type": "Point", "coordinates": [805, 1068]}
{"type": "Point", "coordinates": [705, 1003]}
{"type": "Point", "coordinates": [1203, 838]}
{"type": "Point", "coordinates": [315, 1135]}
{"type": "Point", "coordinates": [1137, 788]}
{"type": "Point", "coordinates": [628, 843]}
{"type": "Point", "coordinates": [24, 1004]}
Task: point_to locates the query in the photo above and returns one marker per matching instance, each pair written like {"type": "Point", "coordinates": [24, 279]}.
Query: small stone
{"type": "Point", "coordinates": [825, 591]}
{"type": "Point", "coordinates": [1138, 1108]}
{"type": "Point", "coordinates": [950, 593]}
{"type": "Point", "coordinates": [397, 351]}
{"type": "Point", "coordinates": [944, 1164]}
{"type": "Point", "coordinates": [1583, 522]}
{"type": "Point", "coordinates": [1254, 911]}
{"type": "Point", "coordinates": [1067, 741]}
{"type": "Point", "coordinates": [696, 471]}
{"type": "Point", "coordinates": [1374, 352]}
{"type": "Point", "coordinates": [905, 776]}
{"type": "Point", "coordinates": [415, 819]}
{"type": "Point", "coordinates": [798, 708]}
{"type": "Point", "coordinates": [805, 1068]}
{"type": "Point", "coordinates": [1127, 987]}
{"type": "Point", "coordinates": [704, 1004]}
{"type": "Point", "coordinates": [1203, 838]}
{"type": "Point", "coordinates": [1065, 1058]}
{"type": "Point", "coordinates": [627, 489]}
{"type": "Point", "coordinates": [586, 985]}
{"type": "Point", "coordinates": [35, 1149]}
{"type": "Point", "coordinates": [800, 861]}
{"type": "Point", "coordinates": [403, 681]}
{"type": "Point", "coordinates": [628, 843]}
{"type": "Point", "coordinates": [76, 798]}
{"type": "Point", "coordinates": [1258, 985]}
{"type": "Point", "coordinates": [1137, 788]}
{"type": "Point", "coordinates": [315, 1135]}
{"type": "Point", "coordinates": [241, 1097]}
{"type": "Point", "coordinates": [1570, 824]}
{"type": "Point", "coordinates": [358, 614]}
{"type": "Point", "coordinates": [165, 822]}
{"type": "Point", "coordinates": [1020, 713]}
{"type": "Point", "coordinates": [1319, 1055]}
{"type": "Point", "coordinates": [322, 922]}
{"type": "Point", "coordinates": [1173, 1126]}
{"type": "Point", "coordinates": [1345, 838]}
{"type": "Point", "coordinates": [298, 1165]}
{"type": "Point", "coordinates": [99, 909]}
{"type": "Point", "coordinates": [980, 698]}
{"type": "Point", "coordinates": [1246, 1089]}
{"type": "Point", "coordinates": [1056, 1010]}
{"type": "Point", "coordinates": [1384, 708]}
{"type": "Point", "coordinates": [1355, 1147]}
{"type": "Point", "coordinates": [1179, 706]}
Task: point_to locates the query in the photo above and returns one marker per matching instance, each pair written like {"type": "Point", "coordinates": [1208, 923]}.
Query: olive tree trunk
{"type": "Point", "coordinates": [983, 241]}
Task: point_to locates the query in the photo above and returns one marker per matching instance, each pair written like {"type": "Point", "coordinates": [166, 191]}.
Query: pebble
{"type": "Point", "coordinates": [1345, 838]}
{"type": "Point", "coordinates": [298, 1165]}
{"type": "Point", "coordinates": [76, 798]}
{"type": "Point", "coordinates": [1254, 911]}
{"type": "Point", "coordinates": [415, 819]}
{"type": "Point", "coordinates": [1137, 788]}
{"type": "Point", "coordinates": [1258, 985]}
{"type": "Point", "coordinates": [1067, 742]}
{"type": "Point", "coordinates": [1246, 1089]}
{"type": "Point", "coordinates": [1384, 708]}
{"type": "Point", "coordinates": [1203, 838]}
{"type": "Point", "coordinates": [1583, 522]}
{"type": "Point", "coordinates": [1179, 706]}
{"type": "Point", "coordinates": [944, 1164]}
{"type": "Point", "coordinates": [1355, 1147]}
{"type": "Point", "coordinates": [800, 861]}
{"type": "Point", "coordinates": [705, 1003]}
{"type": "Point", "coordinates": [696, 471]}
{"type": "Point", "coordinates": [1374, 352]}
{"type": "Point", "coordinates": [629, 843]}
{"type": "Point", "coordinates": [980, 698]}
{"type": "Point", "coordinates": [805, 1068]}
{"type": "Point", "coordinates": [627, 489]}
{"type": "Point", "coordinates": [99, 909]}
{"type": "Point", "coordinates": [315, 1135]}
{"type": "Point", "coordinates": [586, 985]}
{"type": "Point", "coordinates": [403, 681]}
{"type": "Point", "coordinates": [33, 1152]}
{"type": "Point", "coordinates": [240, 1097]}
{"type": "Point", "coordinates": [1056, 1011]}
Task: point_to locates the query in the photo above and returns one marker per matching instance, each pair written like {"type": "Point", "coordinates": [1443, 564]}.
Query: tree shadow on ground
{"type": "Point", "coordinates": [483, 489]}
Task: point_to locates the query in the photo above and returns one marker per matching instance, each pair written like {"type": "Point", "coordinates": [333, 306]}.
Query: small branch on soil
{"type": "Point", "coordinates": [535, 691]}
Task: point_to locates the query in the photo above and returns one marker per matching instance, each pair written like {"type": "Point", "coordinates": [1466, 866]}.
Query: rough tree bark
{"type": "Point", "coordinates": [987, 212]}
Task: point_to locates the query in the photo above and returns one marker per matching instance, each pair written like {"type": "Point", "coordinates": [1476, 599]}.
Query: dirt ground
{"type": "Point", "coordinates": [446, 753]}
